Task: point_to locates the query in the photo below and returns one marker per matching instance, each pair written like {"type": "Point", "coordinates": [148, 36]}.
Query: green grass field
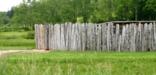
{"type": "Point", "coordinates": [79, 63]}
{"type": "Point", "coordinates": [69, 63]}
{"type": "Point", "coordinates": [16, 40]}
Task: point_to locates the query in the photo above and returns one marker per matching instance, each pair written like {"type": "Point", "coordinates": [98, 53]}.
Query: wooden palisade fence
{"type": "Point", "coordinates": [110, 36]}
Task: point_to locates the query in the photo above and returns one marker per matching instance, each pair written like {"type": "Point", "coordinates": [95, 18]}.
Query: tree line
{"type": "Point", "coordinates": [95, 11]}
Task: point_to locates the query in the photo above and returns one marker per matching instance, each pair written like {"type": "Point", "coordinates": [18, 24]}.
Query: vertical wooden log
{"type": "Point", "coordinates": [36, 36]}
{"type": "Point", "coordinates": [126, 44]}
{"type": "Point", "coordinates": [143, 37]}
{"type": "Point", "coordinates": [117, 36]}
{"type": "Point", "coordinates": [150, 36]}
{"type": "Point", "coordinates": [146, 36]}
{"type": "Point", "coordinates": [74, 45]}
{"type": "Point", "coordinates": [78, 37]}
{"type": "Point", "coordinates": [108, 37]}
{"type": "Point", "coordinates": [66, 36]}
{"type": "Point", "coordinates": [69, 38]}
{"type": "Point", "coordinates": [94, 37]}
{"type": "Point", "coordinates": [83, 45]}
{"type": "Point", "coordinates": [131, 41]}
{"type": "Point", "coordinates": [139, 37]}
{"type": "Point", "coordinates": [47, 37]}
{"type": "Point", "coordinates": [154, 26]}
{"type": "Point", "coordinates": [40, 38]}
{"type": "Point", "coordinates": [51, 37]}
{"type": "Point", "coordinates": [98, 37]}
{"type": "Point", "coordinates": [123, 38]}
{"type": "Point", "coordinates": [104, 42]}
{"type": "Point", "coordinates": [88, 36]}
{"type": "Point", "coordinates": [62, 43]}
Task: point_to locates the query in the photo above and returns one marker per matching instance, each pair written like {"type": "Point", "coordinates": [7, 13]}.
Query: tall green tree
{"type": "Point", "coordinates": [4, 18]}
{"type": "Point", "coordinates": [60, 11]}
{"type": "Point", "coordinates": [150, 10]}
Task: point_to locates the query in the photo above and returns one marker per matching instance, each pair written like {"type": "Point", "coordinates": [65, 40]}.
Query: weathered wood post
{"type": "Point", "coordinates": [41, 37]}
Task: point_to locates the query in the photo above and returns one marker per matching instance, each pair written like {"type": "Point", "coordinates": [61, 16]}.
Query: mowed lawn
{"type": "Point", "coordinates": [79, 63]}
{"type": "Point", "coordinates": [16, 40]}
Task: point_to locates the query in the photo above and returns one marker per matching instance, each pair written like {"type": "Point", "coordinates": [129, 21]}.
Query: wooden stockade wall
{"type": "Point", "coordinates": [110, 36]}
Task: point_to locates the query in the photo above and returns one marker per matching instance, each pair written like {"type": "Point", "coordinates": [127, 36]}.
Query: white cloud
{"type": "Point", "coordinates": [6, 5]}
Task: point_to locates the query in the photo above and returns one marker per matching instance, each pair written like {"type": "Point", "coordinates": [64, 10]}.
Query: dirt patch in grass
{"type": "Point", "coordinates": [8, 52]}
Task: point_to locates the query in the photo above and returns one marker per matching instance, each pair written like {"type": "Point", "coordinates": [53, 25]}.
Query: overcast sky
{"type": "Point", "coordinates": [6, 5]}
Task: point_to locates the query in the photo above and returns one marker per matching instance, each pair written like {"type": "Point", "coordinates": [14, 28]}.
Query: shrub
{"type": "Point", "coordinates": [30, 35]}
